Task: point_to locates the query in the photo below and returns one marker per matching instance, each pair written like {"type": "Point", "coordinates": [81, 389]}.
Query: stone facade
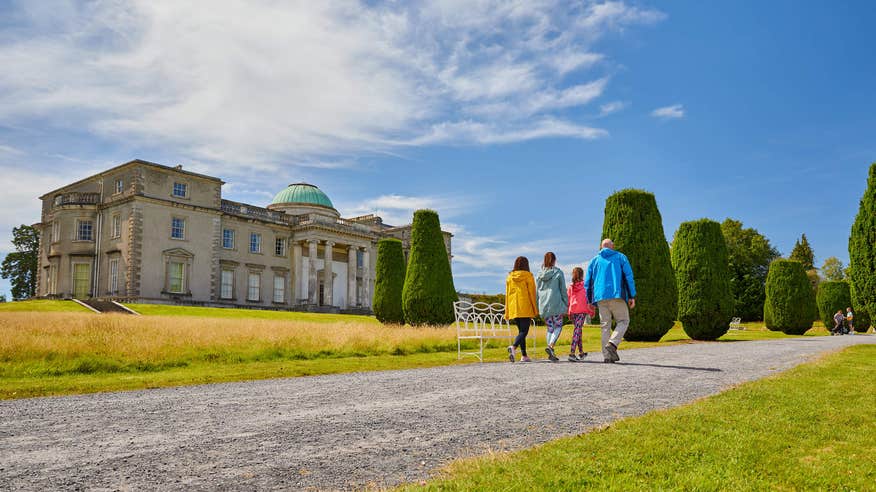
{"type": "Point", "coordinates": [152, 233]}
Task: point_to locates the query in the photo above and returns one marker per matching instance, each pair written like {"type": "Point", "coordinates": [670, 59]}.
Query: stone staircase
{"type": "Point", "coordinates": [104, 306]}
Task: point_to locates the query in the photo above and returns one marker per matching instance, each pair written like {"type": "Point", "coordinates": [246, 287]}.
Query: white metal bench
{"type": "Point", "coordinates": [483, 322]}
{"type": "Point", "coordinates": [736, 324]}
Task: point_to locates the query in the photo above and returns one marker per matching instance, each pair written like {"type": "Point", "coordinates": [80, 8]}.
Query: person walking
{"type": "Point", "coordinates": [552, 301]}
{"type": "Point", "coordinates": [520, 305]}
{"type": "Point", "coordinates": [579, 306]}
{"type": "Point", "coordinates": [609, 283]}
{"type": "Point", "coordinates": [838, 319]}
{"type": "Point", "coordinates": [850, 318]}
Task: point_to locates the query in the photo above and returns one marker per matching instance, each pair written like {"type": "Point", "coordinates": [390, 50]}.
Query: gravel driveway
{"type": "Point", "coordinates": [356, 430]}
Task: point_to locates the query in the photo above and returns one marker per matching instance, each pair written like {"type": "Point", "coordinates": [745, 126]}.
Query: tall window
{"type": "Point", "coordinates": [114, 276]}
{"type": "Point", "coordinates": [51, 279]}
{"type": "Point", "coordinates": [116, 228]}
{"type": "Point", "coordinates": [227, 291]}
{"type": "Point", "coordinates": [178, 228]}
{"type": "Point", "coordinates": [120, 185]}
{"type": "Point", "coordinates": [279, 288]}
{"type": "Point", "coordinates": [176, 277]}
{"type": "Point", "coordinates": [180, 190]}
{"type": "Point", "coordinates": [228, 238]}
{"type": "Point", "coordinates": [81, 280]}
{"type": "Point", "coordinates": [255, 243]}
{"type": "Point", "coordinates": [85, 230]}
{"type": "Point", "coordinates": [360, 258]}
{"type": "Point", "coordinates": [280, 246]}
{"type": "Point", "coordinates": [253, 284]}
{"type": "Point", "coordinates": [56, 231]}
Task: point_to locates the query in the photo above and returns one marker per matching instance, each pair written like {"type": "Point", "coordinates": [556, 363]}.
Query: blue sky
{"type": "Point", "coordinates": [515, 120]}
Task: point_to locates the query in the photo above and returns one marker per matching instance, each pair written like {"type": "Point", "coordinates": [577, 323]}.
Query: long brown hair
{"type": "Point", "coordinates": [577, 274]}
{"type": "Point", "coordinates": [521, 263]}
{"type": "Point", "coordinates": [550, 259]}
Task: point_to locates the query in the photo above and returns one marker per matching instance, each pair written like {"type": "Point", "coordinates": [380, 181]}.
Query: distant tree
{"type": "Point", "coordinates": [803, 253]}
{"type": "Point", "coordinates": [389, 281]}
{"type": "Point", "coordinates": [750, 254]}
{"type": "Point", "coordinates": [2, 297]}
{"type": "Point", "coordinates": [428, 295]}
{"type": "Point", "coordinates": [20, 266]}
{"type": "Point", "coordinates": [832, 270]}
{"type": "Point", "coordinates": [862, 250]}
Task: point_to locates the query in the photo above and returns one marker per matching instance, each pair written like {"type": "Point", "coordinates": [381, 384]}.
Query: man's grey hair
{"type": "Point", "coordinates": [607, 243]}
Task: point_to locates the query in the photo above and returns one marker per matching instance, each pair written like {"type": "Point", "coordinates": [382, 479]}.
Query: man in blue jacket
{"type": "Point", "coordinates": [610, 285]}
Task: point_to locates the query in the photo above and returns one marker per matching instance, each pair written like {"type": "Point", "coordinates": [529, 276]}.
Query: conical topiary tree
{"type": "Point", "coordinates": [428, 294]}
{"type": "Point", "coordinates": [832, 296]}
{"type": "Point", "coordinates": [389, 281]}
{"type": "Point", "coordinates": [862, 250]}
{"type": "Point", "coordinates": [633, 222]}
{"type": "Point", "coordinates": [702, 273]}
{"type": "Point", "coordinates": [790, 301]}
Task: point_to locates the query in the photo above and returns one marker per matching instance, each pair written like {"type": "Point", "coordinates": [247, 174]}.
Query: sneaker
{"type": "Point", "coordinates": [511, 355]}
{"type": "Point", "coordinates": [608, 361]}
{"type": "Point", "coordinates": [582, 355]}
{"type": "Point", "coordinates": [525, 359]}
{"type": "Point", "coordinates": [611, 351]}
{"type": "Point", "coordinates": [572, 358]}
{"type": "Point", "coordinates": [551, 355]}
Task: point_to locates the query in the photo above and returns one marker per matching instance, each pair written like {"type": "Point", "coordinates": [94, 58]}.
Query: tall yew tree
{"type": "Point", "coordinates": [21, 265]}
{"type": "Point", "coordinates": [633, 222]}
{"type": "Point", "coordinates": [428, 294]}
{"type": "Point", "coordinates": [389, 281]}
{"type": "Point", "coordinates": [862, 250]}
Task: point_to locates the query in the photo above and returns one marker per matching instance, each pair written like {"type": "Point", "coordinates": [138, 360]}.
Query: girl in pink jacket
{"type": "Point", "coordinates": [579, 305]}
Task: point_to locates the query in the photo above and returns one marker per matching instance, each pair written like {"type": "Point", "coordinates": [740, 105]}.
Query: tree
{"type": "Point", "coordinates": [790, 302]}
{"type": "Point", "coordinates": [702, 272]}
{"type": "Point", "coordinates": [862, 249]}
{"type": "Point", "coordinates": [750, 254]}
{"type": "Point", "coordinates": [2, 298]}
{"type": "Point", "coordinates": [389, 282]}
{"type": "Point", "coordinates": [832, 296]}
{"type": "Point", "coordinates": [21, 265]}
{"type": "Point", "coordinates": [803, 253]}
{"type": "Point", "coordinates": [633, 222]}
{"type": "Point", "coordinates": [428, 294]}
{"type": "Point", "coordinates": [832, 270]}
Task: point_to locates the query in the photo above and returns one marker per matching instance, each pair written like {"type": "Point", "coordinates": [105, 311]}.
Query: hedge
{"type": "Point", "coordinates": [790, 301]}
{"type": "Point", "coordinates": [389, 282]}
{"type": "Point", "coordinates": [702, 273]}
{"type": "Point", "coordinates": [428, 295]}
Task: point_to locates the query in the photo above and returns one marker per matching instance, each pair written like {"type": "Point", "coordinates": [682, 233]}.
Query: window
{"type": "Point", "coordinates": [177, 228]}
{"type": "Point", "coordinates": [120, 186]}
{"type": "Point", "coordinates": [84, 230]}
{"type": "Point", "coordinates": [255, 243]}
{"type": "Point", "coordinates": [280, 246]}
{"type": "Point", "coordinates": [176, 277]}
{"type": "Point", "coordinates": [360, 258]}
{"type": "Point", "coordinates": [81, 280]}
{"type": "Point", "coordinates": [114, 276]}
{"type": "Point", "coordinates": [116, 228]}
{"type": "Point", "coordinates": [227, 284]}
{"type": "Point", "coordinates": [56, 231]}
{"type": "Point", "coordinates": [253, 284]}
{"type": "Point", "coordinates": [59, 199]}
{"type": "Point", "coordinates": [51, 279]}
{"type": "Point", "coordinates": [228, 238]}
{"type": "Point", "coordinates": [180, 190]}
{"type": "Point", "coordinates": [279, 288]}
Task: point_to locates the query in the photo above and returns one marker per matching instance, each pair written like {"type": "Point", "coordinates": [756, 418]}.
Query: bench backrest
{"type": "Point", "coordinates": [480, 318]}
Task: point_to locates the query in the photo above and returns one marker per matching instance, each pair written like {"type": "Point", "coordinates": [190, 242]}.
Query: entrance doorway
{"type": "Point", "coordinates": [81, 280]}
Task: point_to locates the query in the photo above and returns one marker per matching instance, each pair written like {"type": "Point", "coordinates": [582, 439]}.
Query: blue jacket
{"type": "Point", "coordinates": [609, 276]}
{"type": "Point", "coordinates": [551, 288]}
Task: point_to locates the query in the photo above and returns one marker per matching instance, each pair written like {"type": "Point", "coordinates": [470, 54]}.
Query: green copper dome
{"type": "Point", "coordinates": [302, 193]}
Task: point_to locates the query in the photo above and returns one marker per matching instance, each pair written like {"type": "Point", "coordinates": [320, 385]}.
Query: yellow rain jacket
{"type": "Point", "coordinates": [520, 295]}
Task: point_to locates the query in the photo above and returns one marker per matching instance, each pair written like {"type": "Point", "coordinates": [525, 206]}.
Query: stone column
{"type": "Point", "coordinates": [366, 277]}
{"type": "Point", "coordinates": [328, 274]}
{"type": "Point", "coordinates": [351, 276]}
{"type": "Point", "coordinates": [296, 272]}
{"type": "Point", "coordinates": [312, 284]}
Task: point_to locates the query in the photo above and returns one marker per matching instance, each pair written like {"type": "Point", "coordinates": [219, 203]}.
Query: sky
{"type": "Point", "coordinates": [514, 120]}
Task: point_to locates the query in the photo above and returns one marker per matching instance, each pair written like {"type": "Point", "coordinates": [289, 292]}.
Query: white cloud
{"type": "Point", "coordinates": [675, 111]}
{"type": "Point", "coordinates": [612, 107]}
{"type": "Point", "coordinates": [399, 209]}
{"type": "Point", "coordinates": [20, 204]}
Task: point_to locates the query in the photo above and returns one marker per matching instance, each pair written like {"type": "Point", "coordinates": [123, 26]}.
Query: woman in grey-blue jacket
{"type": "Point", "coordinates": [553, 301]}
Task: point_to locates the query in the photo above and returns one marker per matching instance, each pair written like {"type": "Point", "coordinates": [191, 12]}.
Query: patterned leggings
{"type": "Point", "coordinates": [554, 328]}
{"type": "Point", "coordinates": [578, 320]}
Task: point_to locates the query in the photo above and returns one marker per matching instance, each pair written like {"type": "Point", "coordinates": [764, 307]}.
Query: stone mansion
{"type": "Point", "coordinates": [152, 233]}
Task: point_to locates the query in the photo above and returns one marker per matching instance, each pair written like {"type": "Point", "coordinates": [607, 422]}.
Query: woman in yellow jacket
{"type": "Point", "coordinates": [520, 305]}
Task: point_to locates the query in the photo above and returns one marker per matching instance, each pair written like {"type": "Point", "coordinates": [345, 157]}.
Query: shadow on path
{"type": "Point", "coordinates": [666, 366]}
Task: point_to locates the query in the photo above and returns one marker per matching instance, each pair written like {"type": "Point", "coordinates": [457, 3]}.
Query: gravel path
{"type": "Point", "coordinates": [356, 430]}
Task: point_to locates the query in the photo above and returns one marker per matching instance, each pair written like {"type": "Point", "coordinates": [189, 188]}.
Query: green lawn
{"type": "Point", "coordinates": [42, 306]}
{"type": "Point", "coordinates": [167, 310]}
{"type": "Point", "coordinates": [811, 428]}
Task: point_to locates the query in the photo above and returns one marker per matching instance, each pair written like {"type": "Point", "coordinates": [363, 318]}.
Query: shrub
{"type": "Point", "coordinates": [750, 254]}
{"type": "Point", "coordinates": [862, 249]}
{"type": "Point", "coordinates": [389, 281]}
{"type": "Point", "coordinates": [702, 272]}
{"type": "Point", "coordinates": [633, 222]}
{"type": "Point", "coordinates": [832, 296]}
{"type": "Point", "coordinates": [428, 294]}
{"type": "Point", "coordinates": [862, 316]}
{"type": "Point", "coordinates": [790, 301]}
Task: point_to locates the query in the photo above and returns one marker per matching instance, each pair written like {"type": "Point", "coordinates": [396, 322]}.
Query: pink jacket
{"type": "Point", "coordinates": [578, 302]}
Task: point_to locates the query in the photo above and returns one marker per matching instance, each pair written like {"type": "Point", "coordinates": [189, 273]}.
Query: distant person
{"type": "Point", "coordinates": [850, 318]}
{"type": "Point", "coordinates": [579, 308]}
{"type": "Point", "coordinates": [609, 284]}
{"type": "Point", "coordinates": [520, 305]}
{"type": "Point", "coordinates": [553, 302]}
{"type": "Point", "coordinates": [838, 320]}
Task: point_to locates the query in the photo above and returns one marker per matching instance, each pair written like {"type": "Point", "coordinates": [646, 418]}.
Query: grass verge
{"type": "Point", "coordinates": [811, 428]}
